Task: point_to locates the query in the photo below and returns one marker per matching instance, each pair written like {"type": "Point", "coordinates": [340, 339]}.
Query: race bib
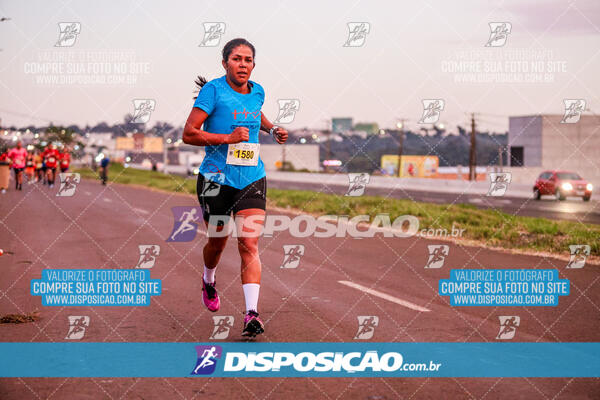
{"type": "Point", "coordinates": [51, 159]}
{"type": "Point", "coordinates": [243, 154]}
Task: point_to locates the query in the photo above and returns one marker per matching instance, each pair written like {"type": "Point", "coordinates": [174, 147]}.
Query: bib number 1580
{"type": "Point", "coordinates": [244, 154]}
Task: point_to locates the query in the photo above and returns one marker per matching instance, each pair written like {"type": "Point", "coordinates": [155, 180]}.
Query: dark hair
{"type": "Point", "coordinates": [227, 49]}
{"type": "Point", "coordinates": [233, 43]}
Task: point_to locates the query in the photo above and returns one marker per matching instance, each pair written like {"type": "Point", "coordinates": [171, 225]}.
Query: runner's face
{"type": "Point", "coordinates": [239, 65]}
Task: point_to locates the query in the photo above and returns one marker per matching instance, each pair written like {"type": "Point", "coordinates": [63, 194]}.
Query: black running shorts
{"type": "Point", "coordinates": [217, 199]}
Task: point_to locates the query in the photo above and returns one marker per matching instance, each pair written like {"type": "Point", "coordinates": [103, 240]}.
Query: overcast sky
{"type": "Point", "coordinates": [411, 52]}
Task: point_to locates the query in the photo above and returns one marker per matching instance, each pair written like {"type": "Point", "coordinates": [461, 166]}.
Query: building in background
{"type": "Point", "coordinates": [412, 166]}
{"type": "Point", "coordinates": [139, 148]}
{"type": "Point", "coordinates": [371, 128]}
{"type": "Point", "coordinates": [541, 142]}
{"type": "Point", "coordinates": [341, 125]}
{"type": "Point", "coordinates": [300, 156]}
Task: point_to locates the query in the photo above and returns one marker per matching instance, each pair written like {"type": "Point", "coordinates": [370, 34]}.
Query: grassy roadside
{"type": "Point", "coordinates": [494, 228]}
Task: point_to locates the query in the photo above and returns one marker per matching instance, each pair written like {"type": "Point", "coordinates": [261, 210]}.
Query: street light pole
{"type": "Point", "coordinates": [400, 126]}
{"type": "Point", "coordinates": [472, 153]}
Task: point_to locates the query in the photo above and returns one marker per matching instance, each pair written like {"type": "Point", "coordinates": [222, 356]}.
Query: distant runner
{"type": "Point", "coordinates": [50, 156]}
{"type": "Point", "coordinates": [38, 164]}
{"type": "Point", "coordinates": [65, 160]}
{"type": "Point", "coordinates": [104, 169]}
{"type": "Point", "coordinates": [29, 168]}
{"type": "Point", "coordinates": [18, 158]}
{"type": "Point", "coordinates": [227, 118]}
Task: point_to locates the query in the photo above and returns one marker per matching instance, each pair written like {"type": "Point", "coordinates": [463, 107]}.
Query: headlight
{"type": "Point", "coordinates": [589, 187]}
{"type": "Point", "coordinates": [567, 186]}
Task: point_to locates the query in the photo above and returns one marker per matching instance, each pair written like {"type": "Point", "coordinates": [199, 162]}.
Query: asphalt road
{"type": "Point", "coordinates": [573, 209]}
{"type": "Point", "coordinates": [101, 227]}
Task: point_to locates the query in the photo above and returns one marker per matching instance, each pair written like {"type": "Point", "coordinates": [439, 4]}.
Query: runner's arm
{"type": "Point", "coordinates": [266, 126]}
{"type": "Point", "coordinates": [193, 134]}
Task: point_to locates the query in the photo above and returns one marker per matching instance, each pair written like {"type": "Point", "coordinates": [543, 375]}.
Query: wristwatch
{"type": "Point", "coordinates": [272, 130]}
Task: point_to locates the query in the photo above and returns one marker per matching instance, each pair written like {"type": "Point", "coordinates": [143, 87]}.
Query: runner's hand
{"type": "Point", "coordinates": [240, 134]}
{"type": "Point", "coordinates": [281, 135]}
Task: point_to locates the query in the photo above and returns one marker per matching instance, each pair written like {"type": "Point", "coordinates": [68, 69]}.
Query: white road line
{"type": "Point", "coordinates": [385, 296]}
{"type": "Point", "coordinates": [141, 210]}
{"type": "Point", "coordinates": [106, 199]}
{"type": "Point", "coordinates": [88, 193]}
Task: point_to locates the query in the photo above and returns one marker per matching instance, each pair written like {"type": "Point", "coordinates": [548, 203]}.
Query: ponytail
{"type": "Point", "coordinates": [200, 82]}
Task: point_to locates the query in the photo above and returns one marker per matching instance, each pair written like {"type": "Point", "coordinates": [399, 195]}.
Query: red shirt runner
{"type": "Point", "coordinates": [65, 160]}
{"type": "Point", "coordinates": [51, 156]}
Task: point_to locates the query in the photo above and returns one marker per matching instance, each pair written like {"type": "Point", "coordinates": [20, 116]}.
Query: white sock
{"type": "Point", "coordinates": [209, 274]}
{"type": "Point", "coordinates": [251, 295]}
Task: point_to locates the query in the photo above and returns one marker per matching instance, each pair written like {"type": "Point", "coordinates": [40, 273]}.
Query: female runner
{"type": "Point", "coordinates": [226, 119]}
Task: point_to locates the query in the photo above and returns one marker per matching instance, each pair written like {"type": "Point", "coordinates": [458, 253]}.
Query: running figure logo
{"type": "Point", "coordinates": [508, 326]}
{"type": "Point", "coordinates": [499, 182]}
{"type": "Point", "coordinates": [437, 255]}
{"type": "Point", "coordinates": [148, 254]}
{"type": "Point", "coordinates": [222, 326]}
{"type": "Point", "coordinates": [579, 253]}
{"type": "Point", "coordinates": [573, 110]}
{"type": "Point", "coordinates": [357, 33]}
{"type": "Point", "coordinates": [287, 110]}
{"type": "Point", "coordinates": [77, 325]}
{"type": "Point", "coordinates": [358, 184]}
{"type": "Point", "coordinates": [498, 34]}
{"type": "Point", "coordinates": [366, 326]}
{"type": "Point", "coordinates": [212, 183]}
{"type": "Point", "coordinates": [432, 108]}
{"type": "Point", "coordinates": [207, 359]}
{"type": "Point", "coordinates": [291, 255]}
{"type": "Point", "coordinates": [212, 34]}
{"type": "Point", "coordinates": [68, 33]}
{"type": "Point", "coordinates": [185, 223]}
{"type": "Point", "coordinates": [142, 109]}
{"type": "Point", "coordinates": [68, 184]}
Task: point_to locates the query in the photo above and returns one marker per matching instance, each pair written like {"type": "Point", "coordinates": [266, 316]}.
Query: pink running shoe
{"type": "Point", "coordinates": [252, 324]}
{"type": "Point", "coordinates": [210, 296]}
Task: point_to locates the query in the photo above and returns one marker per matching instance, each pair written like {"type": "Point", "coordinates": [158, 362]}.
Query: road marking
{"type": "Point", "coordinates": [385, 296]}
{"type": "Point", "coordinates": [88, 193]}
{"type": "Point", "coordinates": [107, 200]}
{"type": "Point", "coordinates": [141, 210]}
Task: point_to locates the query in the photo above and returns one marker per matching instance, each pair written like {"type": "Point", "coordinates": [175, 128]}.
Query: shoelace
{"type": "Point", "coordinates": [252, 313]}
{"type": "Point", "coordinates": [210, 290]}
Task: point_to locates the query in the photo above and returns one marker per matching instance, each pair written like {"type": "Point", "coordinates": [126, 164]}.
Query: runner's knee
{"type": "Point", "coordinates": [216, 245]}
{"type": "Point", "coordinates": [247, 245]}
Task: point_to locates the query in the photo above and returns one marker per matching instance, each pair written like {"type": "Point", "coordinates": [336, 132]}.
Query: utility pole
{"type": "Point", "coordinates": [472, 154]}
{"type": "Point", "coordinates": [165, 156]}
{"type": "Point", "coordinates": [500, 161]}
{"type": "Point", "coordinates": [400, 126]}
{"type": "Point", "coordinates": [283, 157]}
{"type": "Point", "coordinates": [328, 133]}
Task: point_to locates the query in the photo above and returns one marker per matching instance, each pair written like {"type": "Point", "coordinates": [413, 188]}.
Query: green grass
{"type": "Point", "coordinates": [493, 227]}
{"type": "Point", "coordinates": [119, 174]}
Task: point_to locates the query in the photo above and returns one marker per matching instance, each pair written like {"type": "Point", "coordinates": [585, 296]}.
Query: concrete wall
{"type": "Point", "coordinates": [572, 146]}
{"type": "Point", "coordinates": [526, 131]}
{"type": "Point", "coordinates": [300, 155]}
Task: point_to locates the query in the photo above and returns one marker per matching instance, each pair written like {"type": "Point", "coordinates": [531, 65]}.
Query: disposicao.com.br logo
{"type": "Point", "coordinates": [316, 363]}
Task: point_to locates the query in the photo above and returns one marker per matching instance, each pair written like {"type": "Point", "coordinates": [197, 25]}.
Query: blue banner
{"type": "Point", "coordinates": [95, 287]}
{"type": "Point", "coordinates": [226, 359]}
{"type": "Point", "coordinates": [504, 287]}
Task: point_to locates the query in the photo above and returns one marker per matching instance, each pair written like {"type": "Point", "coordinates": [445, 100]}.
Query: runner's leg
{"type": "Point", "coordinates": [250, 227]}
{"type": "Point", "coordinates": [249, 223]}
